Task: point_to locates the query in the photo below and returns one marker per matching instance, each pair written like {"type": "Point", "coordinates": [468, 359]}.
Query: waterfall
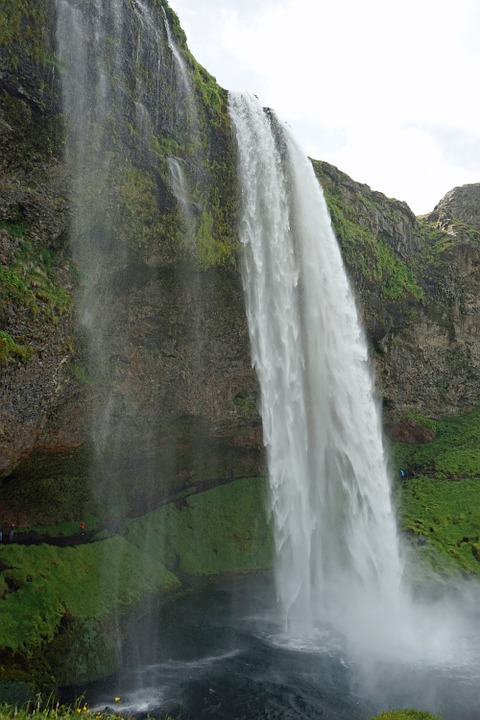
{"type": "Point", "coordinates": [183, 80]}
{"type": "Point", "coordinates": [122, 93]}
{"type": "Point", "coordinates": [182, 194]}
{"type": "Point", "coordinates": [335, 530]}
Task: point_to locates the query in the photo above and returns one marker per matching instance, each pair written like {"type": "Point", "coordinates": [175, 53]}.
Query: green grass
{"type": "Point", "coordinates": [82, 712]}
{"type": "Point", "coordinates": [440, 497]}
{"type": "Point", "coordinates": [55, 712]}
{"type": "Point", "coordinates": [220, 530]}
{"type": "Point", "coordinates": [371, 254]}
{"type": "Point", "coordinates": [11, 350]}
{"type": "Point", "coordinates": [43, 583]}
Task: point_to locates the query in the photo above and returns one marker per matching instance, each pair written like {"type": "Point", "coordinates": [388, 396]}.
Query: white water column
{"type": "Point", "coordinates": [336, 537]}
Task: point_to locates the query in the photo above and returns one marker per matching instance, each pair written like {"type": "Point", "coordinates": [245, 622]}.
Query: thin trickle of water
{"type": "Point", "coordinates": [183, 179]}
{"type": "Point", "coordinates": [183, 76]}
{"type": "Point", "coordinates": [183, 195]}
{"type": "Point", "coordinates": [336, 536]}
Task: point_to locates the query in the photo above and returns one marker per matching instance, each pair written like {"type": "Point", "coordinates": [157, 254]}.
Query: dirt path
{"type": "Point", "coordinates": [31, 537]}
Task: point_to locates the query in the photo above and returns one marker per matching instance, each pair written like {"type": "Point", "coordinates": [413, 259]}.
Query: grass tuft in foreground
{"type": "Point", "coordinates": [55, 712]}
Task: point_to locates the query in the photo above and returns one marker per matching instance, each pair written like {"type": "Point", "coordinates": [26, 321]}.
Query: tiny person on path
{"type": "Point", "coordinates": [11, 534]}
{"type": "Point", "coordinates": [82, 529]}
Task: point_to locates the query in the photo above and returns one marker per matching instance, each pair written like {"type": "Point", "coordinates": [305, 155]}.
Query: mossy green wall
{"type": "Point", "coordinates": [59, 605]}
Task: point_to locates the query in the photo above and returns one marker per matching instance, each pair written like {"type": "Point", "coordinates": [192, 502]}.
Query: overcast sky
{"type": "Point", "coordinates": [387, 91]}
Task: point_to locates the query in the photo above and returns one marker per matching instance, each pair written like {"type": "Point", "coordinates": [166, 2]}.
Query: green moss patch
{"type": "Point", "coordinates": [369, 254]}
{"type": "Point", "coordinates": [44, 583]}
{"type": "Point", "coordinates": [11, 350]}
{"type": "Point", "coordinates": [29, 283]}
{"type": "Point", "coordinates": [439, 500]}
{"type": "Point", "coordinates": [223, 530]}
{"type": "Point", "coordinates": [377, 261]}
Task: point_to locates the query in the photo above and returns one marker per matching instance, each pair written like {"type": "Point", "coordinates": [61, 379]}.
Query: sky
{"type": "Point", "coordinates": [387, 91]}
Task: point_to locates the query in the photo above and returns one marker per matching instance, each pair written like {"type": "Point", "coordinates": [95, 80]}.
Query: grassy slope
{"type": "Point", "coordinates": [218, 531]}
{"type": "Point", "coordinates": [439, 501]}
{"type": "Point", "coordinates": [221, 530]}
{"type": "Point", "coordinates": [225, 530]}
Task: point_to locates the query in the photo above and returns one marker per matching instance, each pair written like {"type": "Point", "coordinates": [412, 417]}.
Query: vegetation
{"type": "Point", "coordinates": [82, 712]}
{"type": "Point", "coordinates": [41, 583]}
{"type": "Point", "coordinates": [11, 350]}
{"type": "Point", "coordinates": [56, 712]}
{"type": "Point", "coordinates": [67, 595]}
{"type": "Point", "coordinates": [439, 499]}
{"type": "Point", "coordinates": [52, 490]}
{"type": "Point", "coordinates": [363, 249]}
{"type": "Point", "coordinates": [143, 223]}
{"type": "Point", "coordinates": [21, 27]}
{"type": "Point", "coordinates": [28, 133]}
{"type": "Point", "coordinates": [221, 530]}
{"type": "Point", "coordinates": [29, 284]}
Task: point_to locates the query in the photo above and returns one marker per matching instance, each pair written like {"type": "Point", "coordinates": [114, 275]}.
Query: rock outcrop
{"type": "Point", "coordinates": [417, 285]}
{"type": "Point", "coordinates": [460, 205]}
{"type": "Point", "coordinates": [174, 341]}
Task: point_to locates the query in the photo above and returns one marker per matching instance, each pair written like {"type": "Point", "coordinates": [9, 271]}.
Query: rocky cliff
{"type": "Point", "coordinates": [36, 332]}
{"type": "Point", "coordinates": [416, 278]}
{"type": "Point", "coordinates": [416, 282]}
{"type": "Point", "coordinates": [174, 334]}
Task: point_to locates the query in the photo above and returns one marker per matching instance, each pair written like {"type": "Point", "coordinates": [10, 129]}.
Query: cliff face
{"type": "Point", "coordinates": [172, 346]}
{"type": "Point", "coordinates": [178, 318]}
{"type": "Point", "coordinates": [417, 287]}
{"type": "Point", "coordinates": [36, 333]}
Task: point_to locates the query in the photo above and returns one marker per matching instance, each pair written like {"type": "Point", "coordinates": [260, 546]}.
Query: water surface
{"type": "Point", "coordinates": [219, 653]}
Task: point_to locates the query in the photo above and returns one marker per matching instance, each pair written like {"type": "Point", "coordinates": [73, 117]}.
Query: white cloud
{"type": "Point", "coordinates": [360, 82]}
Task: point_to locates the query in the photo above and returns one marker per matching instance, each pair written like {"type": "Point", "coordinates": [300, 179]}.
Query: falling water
{"type": "Point", "coordinates": [124, 87]}
{"type": "Point", "coordinates": [121, 82]}
{"type": "Point", "coordinates": [183, 194]}
{"type": "Point", "coordinates": [182, 73]}
{"type": "Point", "coordinates": [336, 536]}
